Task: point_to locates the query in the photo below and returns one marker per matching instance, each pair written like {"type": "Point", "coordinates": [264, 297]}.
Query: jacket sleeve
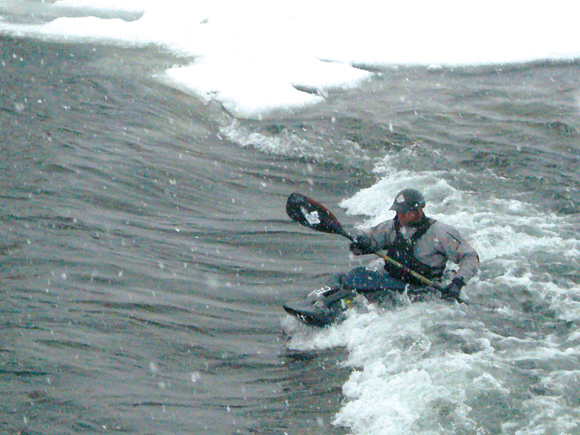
{"type": "Point", "coordinates": [459, 251]}
{"type": "Point", "coordinates": [378, 237]}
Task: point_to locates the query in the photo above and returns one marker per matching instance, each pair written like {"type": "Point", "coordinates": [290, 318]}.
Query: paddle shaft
{"type": "Point", "coordinates": [414, 274]}
{"type": "Point", "coordinates": [384, 256]}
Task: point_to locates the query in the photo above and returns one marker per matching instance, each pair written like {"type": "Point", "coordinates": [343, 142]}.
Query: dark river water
{"type": "Point", "coordinates": [145, 252]}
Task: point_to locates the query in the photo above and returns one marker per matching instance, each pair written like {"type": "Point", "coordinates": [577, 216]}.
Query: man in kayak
{"type": "Point", "coordinates": [419, 243]}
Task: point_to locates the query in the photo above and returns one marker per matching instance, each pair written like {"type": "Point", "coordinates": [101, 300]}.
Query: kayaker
{"type": "Point", "coordinates": [422, 244]}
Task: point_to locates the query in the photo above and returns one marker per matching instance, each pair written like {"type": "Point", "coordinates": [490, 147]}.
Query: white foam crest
{"type": "Point", "coordinates": [291, 143]}
{"type": "Point", "coordinates": [550, 414]}
{"type": "Point", "coordinates": [287, 144]}
{"type": "Point", "coordinates": [560, 382]}
{"type": "Point", "coordinates": [403, 380]}
{"type": "Point", "coordinates": [305, 338]}
{"type": "Point", "coordinates": [418, 369]}
{"type": "Point", "coordinates": [401, 399]}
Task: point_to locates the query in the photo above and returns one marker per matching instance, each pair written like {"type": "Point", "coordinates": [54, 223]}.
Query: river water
{"type": "Point", "coordinates": [146, 254]}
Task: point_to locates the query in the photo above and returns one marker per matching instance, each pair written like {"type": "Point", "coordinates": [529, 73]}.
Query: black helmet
{"type": "Point", "coordinates": [407, 200]}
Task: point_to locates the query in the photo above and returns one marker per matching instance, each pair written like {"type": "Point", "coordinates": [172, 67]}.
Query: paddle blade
{"type": "Point", "coordinates": [311, 214]}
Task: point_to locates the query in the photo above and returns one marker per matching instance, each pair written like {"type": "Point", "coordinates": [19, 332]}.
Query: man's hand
{"type": "Point", "coordinates": [453, 290]}
{"type": "Point", "coordinates": [362, 245]}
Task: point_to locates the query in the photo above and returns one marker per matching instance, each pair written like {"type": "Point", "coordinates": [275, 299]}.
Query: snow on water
{"type": "Point", "coordinates": [252, 55]}
{"type": "Point", "coordinates": [113, 5]}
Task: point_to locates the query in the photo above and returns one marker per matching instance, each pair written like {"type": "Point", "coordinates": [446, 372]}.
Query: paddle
{"type": "Point", "coordinates": [311, 214]}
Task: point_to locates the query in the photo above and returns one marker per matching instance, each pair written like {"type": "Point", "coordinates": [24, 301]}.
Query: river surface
{"type": "Point", "coordinates": [145, 251]}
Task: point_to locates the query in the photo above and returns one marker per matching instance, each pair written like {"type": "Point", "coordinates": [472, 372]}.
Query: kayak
{"type": "Point", "coordinates": [322, 307]}
{"type": "Point", "coordinates": [327, 305]}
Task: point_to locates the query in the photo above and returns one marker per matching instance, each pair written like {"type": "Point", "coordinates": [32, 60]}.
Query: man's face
{"type": "Point", "coordinates": [410, 217]}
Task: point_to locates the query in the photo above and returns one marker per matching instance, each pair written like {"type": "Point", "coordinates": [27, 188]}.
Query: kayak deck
{"type": "Point", "coordinates": [321, 309]}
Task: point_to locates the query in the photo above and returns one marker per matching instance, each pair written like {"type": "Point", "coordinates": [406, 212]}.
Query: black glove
{"type": "Point", "coordinates": [453, 290]}
{"type": "Point", "coordinates": [362, 245]}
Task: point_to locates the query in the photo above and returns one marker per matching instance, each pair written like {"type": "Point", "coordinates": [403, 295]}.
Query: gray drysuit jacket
{"type": "Point", "coordinates": [439, 244]}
